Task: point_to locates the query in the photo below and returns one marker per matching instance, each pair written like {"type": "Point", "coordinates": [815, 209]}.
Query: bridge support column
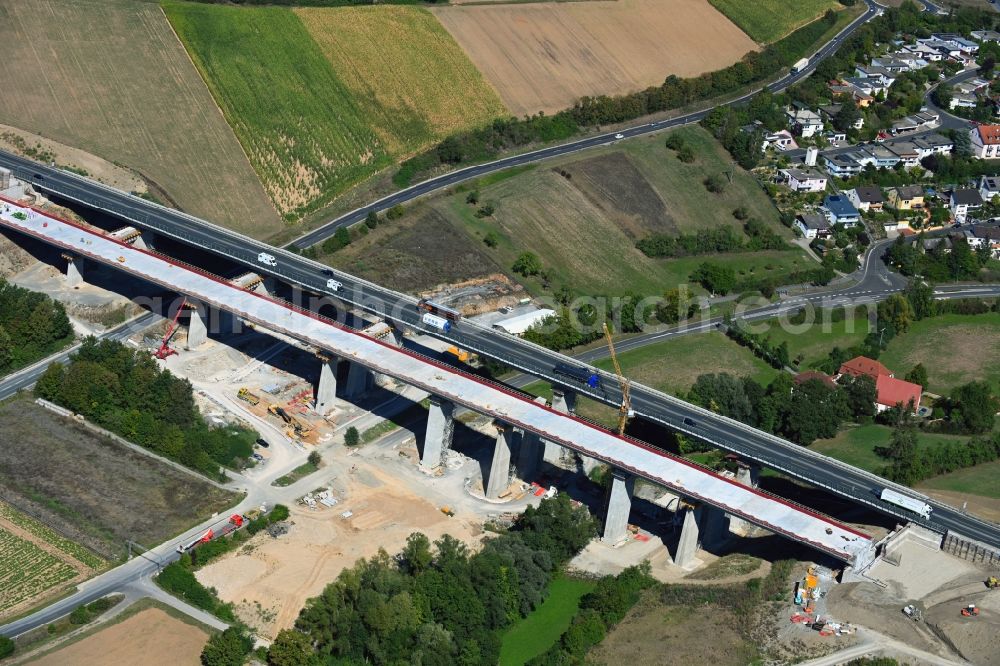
{"type": "Point", "coordinates": [529, 455]}
{"type": "Point", "coordinates": [197, 331]}
{"type": "Point", "coordinates": [440, 429]}
{"type": "Point", "coordinates": [74, 270]}
{"type": "Point", "coordinates": [500, 469]}
{"type": "Point", "coordinates": [748, 476]}
{"type": "Point", "coordinates": [326, 391]}
{"type": "Point", "coordinates": [714, 526]}
{"type": "Point", "coordinates": [618, 505]}
{"type": "Point", "coordinates": [565, 402]}
{"type": "Point", "coordinates": [359, 380]}
{"type": "Point", "coordinates": [687, 547]}
{"type": "Point", "coordinates": [144, 241]}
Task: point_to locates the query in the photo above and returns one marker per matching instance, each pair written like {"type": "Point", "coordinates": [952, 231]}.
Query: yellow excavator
{"type": "Point", "coordinates": [625, 411]}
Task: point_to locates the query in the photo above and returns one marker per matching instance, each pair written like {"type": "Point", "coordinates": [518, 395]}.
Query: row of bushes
{"type": "Point", "coordinates": [486, 143]}
{"type": "Point", "coordinates": [709, 241]}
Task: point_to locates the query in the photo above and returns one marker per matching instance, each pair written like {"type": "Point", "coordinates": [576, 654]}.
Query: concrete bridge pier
{"type": "Point", "coordinates": [359, 380]}
{"type": "Point", "coordinates": [499, 478]}
{"type": "Point", "coordinates": [74, 270]}
{"type": "Point", "coordinates": [440, 430]}
{"type": "Point", "coordinates": [748, 475]}
{"type": "Point", "coordinates": [529, 455]}
{"type": "Point", "coordinates": [562, 401]}
{"type": "Point", "coordinates": [618, 506]}
{"type": "Point", "coordinates": [326, 391]}
{"type": "Point", "coordinates": [714, 526]}
{"type": "Point", "coordinates": [197, 330]}
{"type": "Point", "coordinates": [687, 547]}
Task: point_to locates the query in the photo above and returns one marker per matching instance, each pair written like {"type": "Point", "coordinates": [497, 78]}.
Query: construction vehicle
{"type": "Point", "coordinates": [462, 355]}
{"type": "Point", "coordinates": [300, 428]}
{"type": "Point", "coordinates": [165, 349]}
{"type": "Point", "coordinates": [970, 611]}
{"type": "Point", "coordinates": [245, 395]}
{"type": "Point", "coordinates": [278, 411]}
{"type": "Point", "coordinates": [913, 612]}
{"type": "Point", "coordinates": [448, 511]}
{"type": "Point", "coordinates": [625, 411]}
{"type": "Point", "coordinates": [235, 522]}
{"type": "Point", "coordinates": [993, 582]}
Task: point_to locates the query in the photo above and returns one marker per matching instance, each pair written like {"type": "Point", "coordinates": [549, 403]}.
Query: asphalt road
{"type": "Point", "coordinates": [426, 187]}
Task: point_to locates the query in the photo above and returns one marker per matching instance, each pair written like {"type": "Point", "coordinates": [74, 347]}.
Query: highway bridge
{"type": "Point", "coordinates": [749, 443]}
{"type": "Point", "coordinates": [510, 409]}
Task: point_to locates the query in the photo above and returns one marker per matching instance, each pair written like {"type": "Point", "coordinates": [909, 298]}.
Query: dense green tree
{"type": "Point", "coordinates": [7, 646]}
{"type": "Point", "coordinates": [897, 312]}
{"type": "Point", "coordinates": [860, 393]}
{"type": "Point", "coordinates": [918, 375]}
{"type": "Point", "coordinates": [227, 648]}
{"type": "Point", "coordinates": [527, 264]}
{"type": "Point", "coordinates": [971, 408]}
{"type": "Point", "coordinates": [352, 437]}
{"type": "Point", "coordinates": [717, 278]}
{"type": "Point", "coordinates": [416, 556]}
{"type": "Point", "coordinates": [290, 648]}
{"type": "Point", "coordinates": [845, 118]}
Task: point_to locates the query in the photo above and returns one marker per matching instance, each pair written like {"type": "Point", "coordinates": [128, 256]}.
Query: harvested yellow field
{"type": "Point", "coordinates": [544, 57]}
{"type": "Point", "coordinates": [411, 79]}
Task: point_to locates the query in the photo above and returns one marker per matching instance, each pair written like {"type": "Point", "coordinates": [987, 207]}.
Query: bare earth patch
{"type": "Point", "coordinates": [614, 184]}
{"type": "Point", "coordinates": [543, 57]}
{"type": "Point", "coordinates": [150, 637]}
{"type": "Point", "coordinates": [269, 579]}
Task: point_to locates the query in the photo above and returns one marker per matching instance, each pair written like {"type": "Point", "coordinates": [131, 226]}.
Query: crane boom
{"type": "Point", "coordinates": [165, 350]}
{"type": "Point", "coordinates": [625, 410]}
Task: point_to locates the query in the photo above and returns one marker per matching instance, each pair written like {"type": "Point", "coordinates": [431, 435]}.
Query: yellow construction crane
{"type": "Point", "coordinates": [625, 410]}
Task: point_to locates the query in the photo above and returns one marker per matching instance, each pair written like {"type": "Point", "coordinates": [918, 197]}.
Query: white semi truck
{"type": "Point", "coordinates": [800, 65]}
{"type": "Point", "coordinates": [905, 501]}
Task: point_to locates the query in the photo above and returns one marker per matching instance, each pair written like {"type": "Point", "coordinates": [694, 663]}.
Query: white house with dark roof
{"type": "Point", "coordinates": [866, 198]}
{"type": "Point", "coordinates": [804, 180]}
{"type": "Point", "coordinates": [989, 187]}
{"type": "Point", "coordinates": [962, 202]}
{"type": "Point", "coordinates": [812, 225]}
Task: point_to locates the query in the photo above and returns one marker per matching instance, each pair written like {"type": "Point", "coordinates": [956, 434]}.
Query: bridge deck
{"type": "Point", "coordinates": [793, 521]}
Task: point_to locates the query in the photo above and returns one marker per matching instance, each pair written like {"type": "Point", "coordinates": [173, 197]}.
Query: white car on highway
{"type": "Point", "coordinates": [334, 285]}
{"type": "Point", "coordinates": [619, 136]}
{"type": "Point", "coordinates": [267, 259]}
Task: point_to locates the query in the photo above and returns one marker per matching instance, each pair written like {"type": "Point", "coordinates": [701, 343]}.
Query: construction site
{"type": "Point", "coordinates": [366, 490]}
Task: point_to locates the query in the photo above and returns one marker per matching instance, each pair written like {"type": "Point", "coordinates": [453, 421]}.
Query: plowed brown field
{"type": "Point", "coordinates": [543, 57]}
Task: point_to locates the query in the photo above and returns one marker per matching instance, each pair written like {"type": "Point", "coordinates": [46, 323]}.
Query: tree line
{"type": "Point", "coordinates": [437, 604]}
{"type": "Point", "coordinates": [126, 392]}
{"type": "Point", "coordinates": [32, 326]}
{"type": "Point", "coordinates": [707, 241]}
{"type": "Point", "coordinates": [504, 134]}
{"type": "Point", "coordinates": [939, 264]}
{"type": "Point", "coordinates": [908, 465]}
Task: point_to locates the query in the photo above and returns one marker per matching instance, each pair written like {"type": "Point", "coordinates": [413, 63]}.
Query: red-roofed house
{"type": "Point", "coordinates": [862, 365]}
{"type": "Point", "coordinates": [803, 377]}
{"type": "Point", "coordinates": [985, 141]}
{"type": "Point", "coordinates": [890, 392]}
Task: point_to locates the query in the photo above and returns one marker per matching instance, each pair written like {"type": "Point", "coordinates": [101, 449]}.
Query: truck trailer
{"type": "Point", "coordinates": [437, 322]}
{"type": "Point", "coordinates": [800, 65]}
{"type": "Point", "coordinates": [905, 501]}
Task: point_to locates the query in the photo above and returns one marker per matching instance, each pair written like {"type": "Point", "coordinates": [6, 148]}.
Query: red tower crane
{"type": "Point", "coordinates": [165, 349]}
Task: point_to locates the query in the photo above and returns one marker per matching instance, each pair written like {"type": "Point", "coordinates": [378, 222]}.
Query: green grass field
{"type": "Point", "coordinates": [769, 20]}
{"type": "Point", "coordinates": [407, 74]}
{"type": "Point", "coordinates": [955, 349]}
{"type": "Point", "coordinates": [856, 446]}
{"type": "Point", "coordinates": [533, 635]}
{"type": "Point", "coordinates": [321, 99]}
{"type": "Point", "coordinates": [584, 227]}
{"type": "Point", "coordinates": [814, 341]}
{"type": "Point", "coordinates": [978, 480]}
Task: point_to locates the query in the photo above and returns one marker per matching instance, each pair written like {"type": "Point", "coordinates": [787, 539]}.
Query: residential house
{"type": "Point", "coordinates": [878, 156]}
{"type": "Point", "coordinates": [804, 122]}
{"type": "Point", "coordinates": [986, 35]}
{"type": "Point", "coordinates": [890, 64]}
{"type": "Point", "coordinates": [933, 144]}
{"type": "Point", "coordinates": [907, 197]}
{"type": "Point", "coordinates": [906, 152]}
{"type": "Point", "coordinates": [862, 365]}
{"type": "Point", "coordinates": [871, 86]}
{"type": "Point", "coordinates": [810, 375]}
{"type": "Point", "coordinates": [843, 165]}
{"type": "Point", "coordinates": [957, 41]}
{"type": "Point", "coordinates": [986, 235]}
{"type": "Point", "coordinates": [866, 198]}
{"type": "Point", "coordinates": [989, 187]}
{"type": "Point", "coordinates": [835, 138]}
{"type": "Point", "coordinates": [780, 140]}
{"type": "Point", "coordinates": [985, 141]}
{"type": "Point", "coordinates": [804, 180]}
{"type": "Point", "coordinates": [884, 77]}
{"type": "Point", "coordinates": [962, 101]}
{"type": "Point", "coordinates": [972, 86]}
{"type": "Point", "coordinates": [812, 225]}
{"type": "Point", "coordinates": [944, 243]}
{"type": "Point", "coordinates": [923, 52]}
{"type": "Point", "coordinates": [962, 202]}
{"type": "Point", "coordinates": [889, 391]}
{"type": "Point", "coordinates": [839, 210]}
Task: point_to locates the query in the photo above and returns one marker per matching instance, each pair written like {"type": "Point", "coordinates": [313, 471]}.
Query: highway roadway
{"type": "Point", "coordinates": [751, 444]}
{"type": "Point", "coordinates": [426, 187]}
